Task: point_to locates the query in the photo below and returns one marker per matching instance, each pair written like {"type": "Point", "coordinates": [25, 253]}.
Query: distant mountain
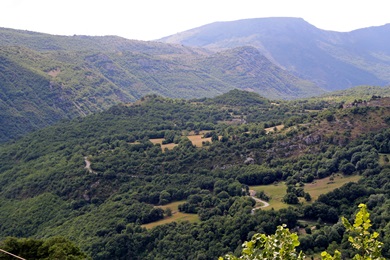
{"type": "Point", "coordinates": [246, 68]}
{"type": "Point", "coordinates": [357, 93]}
{"type": "Point", "coordinates": [45, 78]}
{"type": "Point", "coordinates": [333, 60]}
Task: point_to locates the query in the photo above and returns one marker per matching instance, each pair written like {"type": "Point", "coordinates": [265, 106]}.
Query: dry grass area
{"type": "Point", "coordinates": [163, 146]}
{"type": "Point", "coordinates": [54, 73]}
{"type": "Point", "coordinates": [196, 140]}
{"type": "Point", "coordinates": [176, 216]}
{"type": "Point", "coordinates": [157, 140]}
{"type": "Point", "coordinates": [168, 146]}
{"type": "Point", "coordinates": [277, 191]}
{"type": "Point", "coordinates": [272, 129]}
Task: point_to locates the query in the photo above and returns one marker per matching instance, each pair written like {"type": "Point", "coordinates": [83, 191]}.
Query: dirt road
{"type": "Point", "coordinates": [252, 193]}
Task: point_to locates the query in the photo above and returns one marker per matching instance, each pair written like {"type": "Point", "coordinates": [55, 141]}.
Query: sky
{"type": "Point", "coordinates": [154, 19]}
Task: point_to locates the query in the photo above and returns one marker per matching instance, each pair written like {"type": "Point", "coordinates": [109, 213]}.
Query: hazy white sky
{"type": "Point", "coordinates": [153, 19]}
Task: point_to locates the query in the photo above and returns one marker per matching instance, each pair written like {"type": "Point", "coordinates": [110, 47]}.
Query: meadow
{"type": "Point", "coordinates": [177, 216]}
{"type": "Point", "coordinates": [321, 186]}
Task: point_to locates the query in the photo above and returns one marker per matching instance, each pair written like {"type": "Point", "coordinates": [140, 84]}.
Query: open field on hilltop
{"type": "Point", "coordinates": [176, 215]}
{"type": "Point", "coordinates": [277, 191]}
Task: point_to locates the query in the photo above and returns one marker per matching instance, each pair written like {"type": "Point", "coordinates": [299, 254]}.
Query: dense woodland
{"type": "Point", "coordinates": [46, 190]}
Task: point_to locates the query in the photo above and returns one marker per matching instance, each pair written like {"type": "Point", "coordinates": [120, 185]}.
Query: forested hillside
{"type": "Point", "coordinates": [104, 179]}
{"type": "Point", "coordinates": [45, 78]}
{"type": "Point", "coordinates": [333, 60]}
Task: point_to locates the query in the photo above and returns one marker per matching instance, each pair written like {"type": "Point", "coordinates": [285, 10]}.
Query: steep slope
{"type": "Point", "coordinates": [45, 78]}
{"type": "Point", "coordinates": [333, 60]}
{"type": "Point", "coordinates": [246, 68]}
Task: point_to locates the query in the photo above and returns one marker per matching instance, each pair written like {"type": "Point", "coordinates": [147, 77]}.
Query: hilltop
{"type": "Point", "coordinates": [332, 60]}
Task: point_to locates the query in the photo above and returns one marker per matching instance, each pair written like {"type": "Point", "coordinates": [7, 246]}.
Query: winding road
{"type": "Point", "coordinates": [252, 194]}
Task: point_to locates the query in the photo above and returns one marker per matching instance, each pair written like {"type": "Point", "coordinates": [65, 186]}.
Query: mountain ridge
{"type": "Point", "coordinates": [333, 60]}
{"type": "Point", "coordinates": [80, 75]}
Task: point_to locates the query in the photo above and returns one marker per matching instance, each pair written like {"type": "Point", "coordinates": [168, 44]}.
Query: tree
{"type": "Point", "coordinates": [291, 198]}
{"type": "Point", "coordinates": [281, 245]}
{"type": "Point", "coordinates": [168, 212]}
{"type": "Point", "coordinates": [53, 248]}
{"type": "Point", "coordinates": [347, 168]}
{"type": "Point", "coordinates": [307, 196]}
{"type": "Point", "coordinates": [165, 197]}
{"type": "Point", "coordinates": [362, 240]}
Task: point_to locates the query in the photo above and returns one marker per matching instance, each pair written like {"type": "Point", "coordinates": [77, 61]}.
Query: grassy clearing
{"type": "Point", "coordinates": [157, 140]}
{"type": "Point", "coordinates": [325, 185]}
{"type": "Point", "coordinates": [277, 191]}
{"type": "Point", "coordinates": [176, 216]}
{"type": "Point", "coordinates": [384, 159]}
{"type": "Point", "coordinates": [163, 146]}
{"type": "Point", "coordinates": [196, 140]}
{"type": "Point", "coordinates": [272, 129]}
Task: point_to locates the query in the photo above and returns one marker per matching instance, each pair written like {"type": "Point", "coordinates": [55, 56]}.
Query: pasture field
{"type": "Point", "coordinates": [326, 185]}
{"type": "Point", "coordinates": [157, 140]}
{"type": "Point", "coordinates": [277, 191]}
{"type": "Point", "coordinates": [176, 216]}
{"type": "Point", "coordinates": [196, 140]}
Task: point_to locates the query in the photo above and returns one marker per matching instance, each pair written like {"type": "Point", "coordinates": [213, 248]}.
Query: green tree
{"type": "Point", "coordinates": [307, 196]}
{"type": "Point", "coordinates": [291, 198]}
{"type": "Point", "coordinates": [281, 245]}
{"type": "Point", "coordinates": [53, 248]}
{"type": "Point", "coordinates": [361, 239]}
